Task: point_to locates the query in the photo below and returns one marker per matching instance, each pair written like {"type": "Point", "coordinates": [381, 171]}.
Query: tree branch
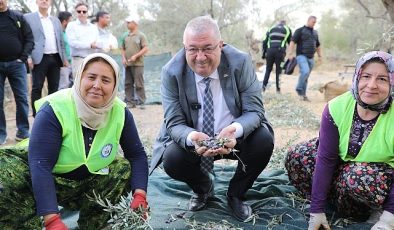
{"type": "Point", "coordinates": [364, 7]}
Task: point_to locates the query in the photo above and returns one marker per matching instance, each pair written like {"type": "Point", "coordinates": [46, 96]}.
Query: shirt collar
{"type": "Point", "coordinates": [214, 75]}
{"type": "Point", "coordinates": [42, 16]}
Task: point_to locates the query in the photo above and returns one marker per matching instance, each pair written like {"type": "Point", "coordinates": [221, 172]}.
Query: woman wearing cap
{"type": "Point", "coordinates": [351, 165]}
{"type": "Point", "coordinates": [74, 146]}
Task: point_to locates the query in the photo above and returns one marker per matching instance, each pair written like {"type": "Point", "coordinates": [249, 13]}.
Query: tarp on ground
{"type": "Point", "coordinates": [270, 198]}
{"type": "Point", "coordinates": [152, 69]}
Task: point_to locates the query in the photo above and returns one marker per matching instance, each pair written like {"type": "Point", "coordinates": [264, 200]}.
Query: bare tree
{"type": "Point", "coordinates": [387, 37]}
{"type": "Point", "coordinates": [389, 5]}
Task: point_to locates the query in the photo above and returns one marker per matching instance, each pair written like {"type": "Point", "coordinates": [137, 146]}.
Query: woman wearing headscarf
{"type": "Point", "coordinates": [73, 148]}
{"type": "Point", "coordinates": [351, 164]}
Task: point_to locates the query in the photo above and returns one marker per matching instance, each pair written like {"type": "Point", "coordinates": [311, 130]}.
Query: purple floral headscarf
{"type": "Point", "coordinates": [383, 106]}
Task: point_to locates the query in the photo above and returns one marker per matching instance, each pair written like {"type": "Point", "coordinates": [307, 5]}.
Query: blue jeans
{"type": "Point", "coordinates": [305, 65]}
{"type": "Point", "coordinates": [16, 73]}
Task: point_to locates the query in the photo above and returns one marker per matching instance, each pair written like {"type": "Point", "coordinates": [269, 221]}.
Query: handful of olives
{"type": "Point", "coordinates": [213, 143]}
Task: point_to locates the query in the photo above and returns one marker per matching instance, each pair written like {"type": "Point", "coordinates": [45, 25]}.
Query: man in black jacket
{"type": "Point", "coordinates": [308, 43]}
{"type": "Point", "coordinates": [274, 49]}
{"type": "Point", "coordinates": [17, 42]}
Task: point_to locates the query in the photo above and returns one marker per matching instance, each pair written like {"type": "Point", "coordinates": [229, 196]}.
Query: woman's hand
{"type": "Point", "coordinates": [54, 222]}
{"type": "Point", "coordinates": [386, 222]}
{"type": "Point", "coordinates": [139, 202]}
{"type": "Point", "coordinates": [316, 220]}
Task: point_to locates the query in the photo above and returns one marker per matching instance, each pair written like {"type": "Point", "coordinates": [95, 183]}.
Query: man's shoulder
{"type": "Point", "coordinates": [176, 64]}
{"type": "Point", "coordinates": [30, 15]}
{"type": "Point", "coordinates": [229, 49]}
{"type": "Point", "coordinates": [142, 36]}
{"type": "Point", "coordinates": [141, 33]}
{"type": "Point", "coordinates": [54, 18]}
{"type": "Point", "coordinates": [15, 15]}
{"type": "Point", "coordinates": [233, 55]}
{"type": "Point", "coordinates": [299, 29]}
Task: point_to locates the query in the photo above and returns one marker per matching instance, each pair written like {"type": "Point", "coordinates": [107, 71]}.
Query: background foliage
{"type": "Point", "coordinates": [345, 31]}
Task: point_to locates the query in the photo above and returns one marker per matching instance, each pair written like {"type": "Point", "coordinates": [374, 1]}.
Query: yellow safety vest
{"type": "Point", "coordinates": [379, 145]}
{"type": "Point", "coordinates": [72, 152]}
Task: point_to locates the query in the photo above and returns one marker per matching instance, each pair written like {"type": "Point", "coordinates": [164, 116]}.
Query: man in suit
{"type": "Point", "coordinates": [238, 115]}
{"type": "Point", "coordinates": [48, 54]}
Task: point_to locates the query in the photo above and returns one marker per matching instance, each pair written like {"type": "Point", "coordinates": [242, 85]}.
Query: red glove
{"type": "Point", "coordinates": [55, 223]}
{"type": "Point", "coordinates": [139, 200]}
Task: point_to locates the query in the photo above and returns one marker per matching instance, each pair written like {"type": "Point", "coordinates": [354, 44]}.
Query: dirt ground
{"type": "Point", "coordinates": [149, 119]}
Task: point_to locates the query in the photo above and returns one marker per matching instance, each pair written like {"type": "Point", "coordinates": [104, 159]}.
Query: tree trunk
{"type": "Point", "coordinates": [389, 5]}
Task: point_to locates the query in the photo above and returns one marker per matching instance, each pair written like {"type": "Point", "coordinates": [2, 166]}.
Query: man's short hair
{"type": "Point", "coordinates": [100, 14]}
{"type": "Point", "coordinates": [201, 24]}
{"type": "Point", "coordinates": [312, 17]}
{"type": "Point", "coordinates": [64, 15]}
{"type": "Point", "coordinates": [81, 4]}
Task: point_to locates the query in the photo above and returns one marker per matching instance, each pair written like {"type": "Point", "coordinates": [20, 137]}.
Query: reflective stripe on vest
{"type": "Point", "coordinates": [279, 35]}
{"type": "Point", "coordinates": [379, 145]}
{"type": "Point", "coordinates": [72, 152]}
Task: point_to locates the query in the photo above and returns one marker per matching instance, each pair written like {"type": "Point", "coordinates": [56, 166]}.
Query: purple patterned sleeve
{"type": "Point", "coordinates": [326, 162]}
{"type": "Point", "coordinates": [389, 203]}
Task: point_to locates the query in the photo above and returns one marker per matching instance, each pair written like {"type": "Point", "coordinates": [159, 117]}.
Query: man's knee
{"type": "Point", "coordinates": [261, 140]}
{"type": "Point", "coordinates": [173, 158]}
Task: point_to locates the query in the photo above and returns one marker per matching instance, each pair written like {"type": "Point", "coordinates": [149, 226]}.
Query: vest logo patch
{"type": "Point", "coordinates": [106, 150]}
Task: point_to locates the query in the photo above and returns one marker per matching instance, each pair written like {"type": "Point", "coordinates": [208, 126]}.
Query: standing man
{"type": "Point", "coordinates": [106, 41]}
{"type": "Point", "coordinates": [82, 36]}
{"type": "Point", "coordinates": [308, 43]}
{"type": "Point", "coordinates": [48, 54]}
{"type": "Point", "coordinates": [66, 71]}
{"type": "Point", "coordinates": [210, 87]}
{"type": "Point", "coordinates": [17, 42]}
{"type": "Point", "coordinates": [134, 47]}
{"type": "Point", "coordinates": [274, 49]}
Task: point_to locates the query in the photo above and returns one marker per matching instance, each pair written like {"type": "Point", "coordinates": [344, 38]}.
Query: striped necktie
{"type": "Point", "coordinates": [207, 124]}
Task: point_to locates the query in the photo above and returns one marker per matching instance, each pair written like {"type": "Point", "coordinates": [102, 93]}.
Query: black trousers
{"type": "Point", "coordinates": [274, 55]}
{"type": "Point", "coordinates": [49, 67]}
{"type": "Point", "coordinates": [255, 151]}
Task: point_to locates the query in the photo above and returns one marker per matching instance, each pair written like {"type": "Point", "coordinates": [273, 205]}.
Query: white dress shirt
{"type": "Point", "coordinates": [222, 114]}
{"type": "Point", "coordinates": [80, 37]}
{"type": "Point", "coordinates": [49, 33]}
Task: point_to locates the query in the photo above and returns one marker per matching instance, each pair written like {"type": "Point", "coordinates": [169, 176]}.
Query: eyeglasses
{"type": "Point", "coordinates": [205, 50]}
{"type": "Point", "coordinates": [82, 11]}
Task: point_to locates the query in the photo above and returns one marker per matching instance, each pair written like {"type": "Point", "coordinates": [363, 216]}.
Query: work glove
{"type": "Point", "coordinates": [386, 222]}
{"type": "Point", "coordinates": [139, 202]}
{"type": "Point", "coordinates": [316, 220]}
{"type": "Point", "coordinates": [55, 223]}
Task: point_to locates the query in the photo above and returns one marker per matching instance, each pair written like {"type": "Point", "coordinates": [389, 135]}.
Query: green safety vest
{"type": "Point", "coordinates": [72, 152]}
{"type": "Point", "coordinates": [379, 145]}
{"type": "Point", "coordinates": [283, 43]}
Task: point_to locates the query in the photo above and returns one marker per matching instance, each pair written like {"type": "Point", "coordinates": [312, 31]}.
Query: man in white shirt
{"type": "Point", "coordinates": [82, 36]}
{"type": "Point", "coordinates": [106, 41]}
{"type": "Point", "coordinates": [49, 52]}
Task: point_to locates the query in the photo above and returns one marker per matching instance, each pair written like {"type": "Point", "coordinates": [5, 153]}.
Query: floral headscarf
{"type": "Point", "coordinates": [92, 117]}
{"type": "Point", "coordinates": [388, 60]}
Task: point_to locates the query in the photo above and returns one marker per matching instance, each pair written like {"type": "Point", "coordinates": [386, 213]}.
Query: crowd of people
{"type": "Point", "coordinates": [52, 49]}
{"type": "Point", "coordinates": [209, 92]}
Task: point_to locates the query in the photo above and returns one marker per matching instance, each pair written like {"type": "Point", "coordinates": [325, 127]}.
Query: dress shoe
{"type": "Point", "coordinates": [199, 201]}
{"type": "Point", "coordinates": [239, 209]}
